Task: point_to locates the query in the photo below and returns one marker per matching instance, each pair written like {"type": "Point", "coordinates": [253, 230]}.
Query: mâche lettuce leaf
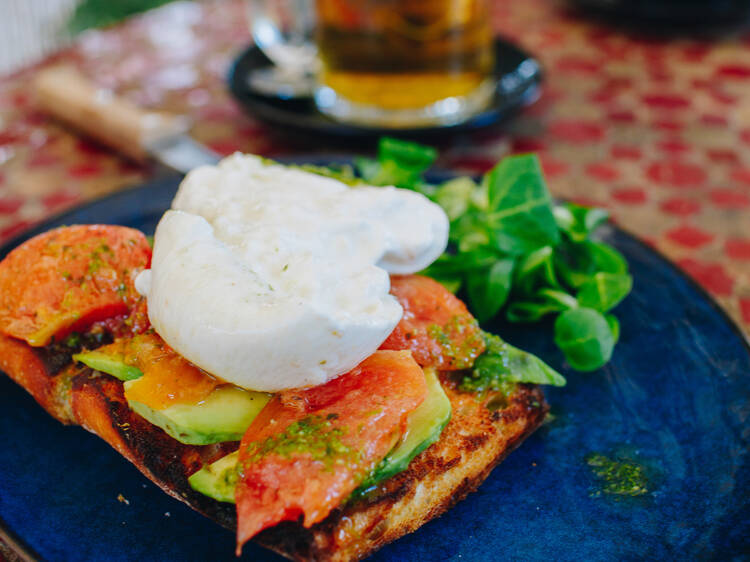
{"type": "Point", "coordinates": [513, 251]}
{"type": "Point", "coordinates": [585, 337]}
{"type": "Point", "coordinates": [519, 207]}
{"type": "Point", "coordinates": [399, 163]}
{"type": "Point", "coordinates": [501, 363]}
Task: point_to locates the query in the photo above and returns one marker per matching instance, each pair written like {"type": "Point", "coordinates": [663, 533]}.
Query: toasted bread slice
{"type": "Point", "coordinates": [475, 440]}
{"type": "Point", "coordinates": [480, 434]}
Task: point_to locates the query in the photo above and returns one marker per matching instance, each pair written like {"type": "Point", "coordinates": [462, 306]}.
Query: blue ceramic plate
{"type": "Point", "coordinates": [674, 400]}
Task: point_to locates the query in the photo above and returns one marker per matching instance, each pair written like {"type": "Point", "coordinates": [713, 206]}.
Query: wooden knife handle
{"type": "Point", "coordinates": [63, 92]}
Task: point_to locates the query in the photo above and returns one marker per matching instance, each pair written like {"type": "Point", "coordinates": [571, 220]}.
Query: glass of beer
{"type": "Point", "coordinates": [385, 63]}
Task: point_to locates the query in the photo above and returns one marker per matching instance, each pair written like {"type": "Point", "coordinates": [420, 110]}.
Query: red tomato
{"type": "Point", "coordinates": [309, 449]}
{"type": "Point", "coordinates": [436, 326]}
{"type": "Point", "coordinates": [69, 278]}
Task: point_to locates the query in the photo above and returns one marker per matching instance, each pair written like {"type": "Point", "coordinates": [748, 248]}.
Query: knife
{"type": "Point", "coordinates": [66, 94]}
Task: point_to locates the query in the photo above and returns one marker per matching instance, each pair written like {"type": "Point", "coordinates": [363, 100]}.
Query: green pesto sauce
{"type": "Point", "coordinates": [460, 350]}
{"type": "Point", "coordinates": [314, 435]}
{"type": "Point", "coordinates": [502, 365]}
{"type": "Point", "coordinates": [491, 369]}
{"type": "Point", "coordinates": [100, 257]}
{"type": "Point", "coordinates": [619, 478]}
{"type": "Point", "coordinates": [97, 260]}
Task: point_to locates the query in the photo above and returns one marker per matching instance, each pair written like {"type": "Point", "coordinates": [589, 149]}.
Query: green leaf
{"type": "Point", "coordinates": [414, 156]}
{"type": "Point", "coordinates": [502, 363]}
{"type": "Point", "coordinates": [367, 168]}
{"type": "Point", "coordinates": [561, 298]}
{"type": "Point", "coordinates": [489, 290]}
{"type": "Point", "coordinates": [604, 291]}
{"type": "Point", "coordinates": [579, 222]}
{"type": "Point", "coordinates": [585, 337]}
{"type": "Point", "coordinates": [453, 285]}
{"type": "Point", "coordinates": [576, 263]}
{"type": "Point", "coordinates": [100, 13]}
{"type": "Point", "coordinates": [454, 196]}
{"type": "Point", "coordinates": [606, 258]}
{"type": "Point", "coordinates": [614, 326]}
{"type": "Point", "coordinates": [526, 312]}
{"type": "Point", "coordinates": [546, 301]}
{"type": "Point", "coordinates": [519, 206]}
{"type": "Point", "coordinates": [386, 173]}
{"type": "Point", "coordinates": [400, 163]}
{"type": "Point", "coordinates": [536, 270]}
{"type": "Point", "coordinates": [455, 265]}
{"type": "Point", "coordinates": [470, 231]}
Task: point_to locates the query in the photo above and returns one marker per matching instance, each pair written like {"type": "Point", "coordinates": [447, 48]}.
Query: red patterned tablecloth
{"type": "Point", "coordinates": [657, 131]}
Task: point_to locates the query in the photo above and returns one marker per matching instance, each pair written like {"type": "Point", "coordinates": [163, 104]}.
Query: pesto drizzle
{"type": "Point", "coordinates": [315, 435]}
{"type": "Point", "coordinates": [619, 478]}
{"type": "Point", "coordinates": [460, 350]}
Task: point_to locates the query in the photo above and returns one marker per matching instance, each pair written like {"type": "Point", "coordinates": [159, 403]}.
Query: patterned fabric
{"type": "Point", "coordinates": [657, 131]}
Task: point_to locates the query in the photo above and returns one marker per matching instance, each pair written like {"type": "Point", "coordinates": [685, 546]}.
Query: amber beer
{"type": "Point", "coordinates": [404, 54]}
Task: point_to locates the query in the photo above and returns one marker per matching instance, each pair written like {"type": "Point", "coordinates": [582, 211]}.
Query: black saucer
{"type": "Point", "coordinates": [518, 76]}
{"type": "Point", "coordinates": [663, 14]}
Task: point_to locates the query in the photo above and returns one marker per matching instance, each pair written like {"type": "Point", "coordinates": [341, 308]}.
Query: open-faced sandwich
{"type": "Point", "coordinates": [275, 363]}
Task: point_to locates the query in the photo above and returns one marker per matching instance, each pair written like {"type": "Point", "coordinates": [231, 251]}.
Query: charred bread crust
{"type": "Point", "coordinates": [41, 375]}
{"type": "Point", "coordinates": [482, 431]}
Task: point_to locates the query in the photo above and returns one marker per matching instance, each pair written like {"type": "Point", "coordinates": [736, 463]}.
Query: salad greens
{"type": "Point", "coordinates": [585, 337]}
{"type": "Point", "coordinates": [502, 363]}
{"type": "Point", "coordinates": [100, 13]}
{"type": "Point", "coordinates": [512, 251]}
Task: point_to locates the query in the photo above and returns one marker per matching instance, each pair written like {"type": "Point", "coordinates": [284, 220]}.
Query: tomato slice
{"type": "Point", "coordinates": [168, 378]}
{"type": "Point", "coordinates": [309, 449]}
{"type": "Point", "coordinates": [436, 326]}
{"type": "Point", "coordinates": [69, 278]}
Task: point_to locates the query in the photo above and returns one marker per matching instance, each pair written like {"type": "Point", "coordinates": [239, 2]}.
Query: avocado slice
{"type": "Point", "coordinates": [218, 479]}
{"type": "Point", "coordinates": [224, 415]}
{"type": "Point", "coordinates": [110, 364]}
{"type": "Point", "coordinates": [424, 426]}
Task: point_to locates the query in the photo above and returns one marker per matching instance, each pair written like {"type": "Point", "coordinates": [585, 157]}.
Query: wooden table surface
{"type": "Point", "coordinates": [655, 130]}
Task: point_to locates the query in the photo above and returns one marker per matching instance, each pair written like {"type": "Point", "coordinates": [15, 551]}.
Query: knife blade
{"type": "Point", "coordinates": [66, 94]}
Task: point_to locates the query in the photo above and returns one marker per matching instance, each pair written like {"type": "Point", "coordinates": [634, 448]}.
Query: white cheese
{"type": "Point", "coordinates": [273, 278]}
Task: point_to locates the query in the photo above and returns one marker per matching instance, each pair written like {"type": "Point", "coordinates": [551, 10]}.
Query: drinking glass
{"type": "Point", "coordinates": [388, 63]}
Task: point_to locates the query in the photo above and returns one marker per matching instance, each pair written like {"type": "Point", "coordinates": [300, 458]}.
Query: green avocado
{"type": "Point", "coordinates": [218, 479]}
{"type": "Point", "coordinates": [109, 364]}
{"type": "Point", "coordinates": [223, 416]}
{"type": "Point", "coordinates": [424, 426]}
